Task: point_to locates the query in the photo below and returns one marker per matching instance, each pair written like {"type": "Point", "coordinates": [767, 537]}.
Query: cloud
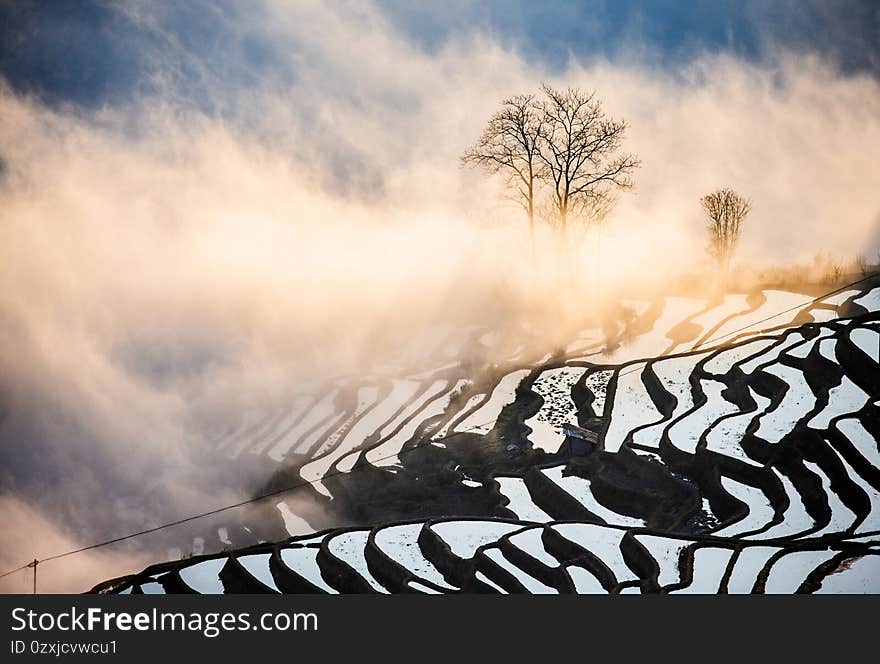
{"type": "Point", "coordinates": [168, 265]}
{"type": "Point", "coordinates": [35, 535]}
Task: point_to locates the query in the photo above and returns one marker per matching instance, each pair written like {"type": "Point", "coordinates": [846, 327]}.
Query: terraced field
{"type": "Point", "coordinates": [737, 452]}
{"type": "Point", "coordinates": [509, 556]}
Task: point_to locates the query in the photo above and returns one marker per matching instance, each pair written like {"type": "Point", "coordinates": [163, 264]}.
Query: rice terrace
{"type": "Point", "coordinates": [748, 465]}
{"type": "Point", "coordinates": [497, 298]}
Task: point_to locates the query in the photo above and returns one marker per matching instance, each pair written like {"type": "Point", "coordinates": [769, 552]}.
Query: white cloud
{"type": "Point", "coordinates": [164, 270]}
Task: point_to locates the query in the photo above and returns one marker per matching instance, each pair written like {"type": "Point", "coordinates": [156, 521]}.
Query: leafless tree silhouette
{"type": "Point", "coordinates": [579, 155]}
{"type": "Point", "coordinates": [510, 146]}
{"type": "Point", "coordinates": [726, 210]}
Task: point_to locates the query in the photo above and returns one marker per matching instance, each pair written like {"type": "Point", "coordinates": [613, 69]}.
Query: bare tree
{"type": "Point", "coordinates": [726, 210]}
{"type": "Point", "coordinates": [578, 154]}
{"type": "Point", "coordinates": [510, 145]}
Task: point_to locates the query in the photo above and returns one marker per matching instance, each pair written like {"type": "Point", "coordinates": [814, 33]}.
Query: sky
{"type": "Point", "coordinates": [96, 52]}
{"type": "Point", "coordinates": [206, 206]}
{"type": "Point", "coordinates": [664, 32]}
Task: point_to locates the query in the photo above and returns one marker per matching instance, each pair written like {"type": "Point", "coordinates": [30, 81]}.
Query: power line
{"type": "Point", "coordinates": [242, 503]}
{"type": "Point", "coordinates": [17, 569]}
{"type": "Point", "coordinates": [299, 485]}
{"type": "Point", "coordinates": [776, 315]}
{"type": "Point", "coordinates": [763, 320]}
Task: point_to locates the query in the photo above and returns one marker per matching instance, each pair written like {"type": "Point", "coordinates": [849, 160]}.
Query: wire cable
{"type": "Point", "coordinates": [304, 483]}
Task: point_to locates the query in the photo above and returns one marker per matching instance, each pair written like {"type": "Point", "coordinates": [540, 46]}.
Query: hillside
{"type": "Point", "coordinates": [736, 452]}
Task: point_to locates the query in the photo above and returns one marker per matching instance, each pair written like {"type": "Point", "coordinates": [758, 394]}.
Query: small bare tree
{"type": "Point", "coordinates": [835, 271]}
{"type": "Point", "coordinates": [509, 146]}
{"type": "Point", "coordinates": [579, 155]}
{"type": "Point", "coordinates": [726, 210]}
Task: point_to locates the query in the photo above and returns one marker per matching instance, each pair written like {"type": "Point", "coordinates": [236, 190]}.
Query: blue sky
{"type": "Point", "coordinates": [90, 53]}
{"type": "Point", "coordinates": [229, 184]}
{"type": "Point", "coordinates": [671, 30]}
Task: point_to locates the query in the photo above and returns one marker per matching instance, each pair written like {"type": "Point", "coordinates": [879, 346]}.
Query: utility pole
{"type": "Point", "coordinates": [34, 565]}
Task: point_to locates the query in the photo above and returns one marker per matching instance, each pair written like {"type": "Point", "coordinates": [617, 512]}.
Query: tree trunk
{"type": "Point", "coordinates": [532, 230]}
{"type": "Point", "coordinates": [563, 246]}
{"type": "Point", "coordinates": [563, 225]}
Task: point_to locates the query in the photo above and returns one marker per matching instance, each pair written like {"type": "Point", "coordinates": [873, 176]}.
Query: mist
{"type": "Point", "coordinates": [174, 260]}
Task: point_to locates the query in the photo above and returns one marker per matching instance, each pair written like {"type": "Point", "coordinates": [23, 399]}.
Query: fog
{"type": "Point", "coordinates": [165, 268]}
